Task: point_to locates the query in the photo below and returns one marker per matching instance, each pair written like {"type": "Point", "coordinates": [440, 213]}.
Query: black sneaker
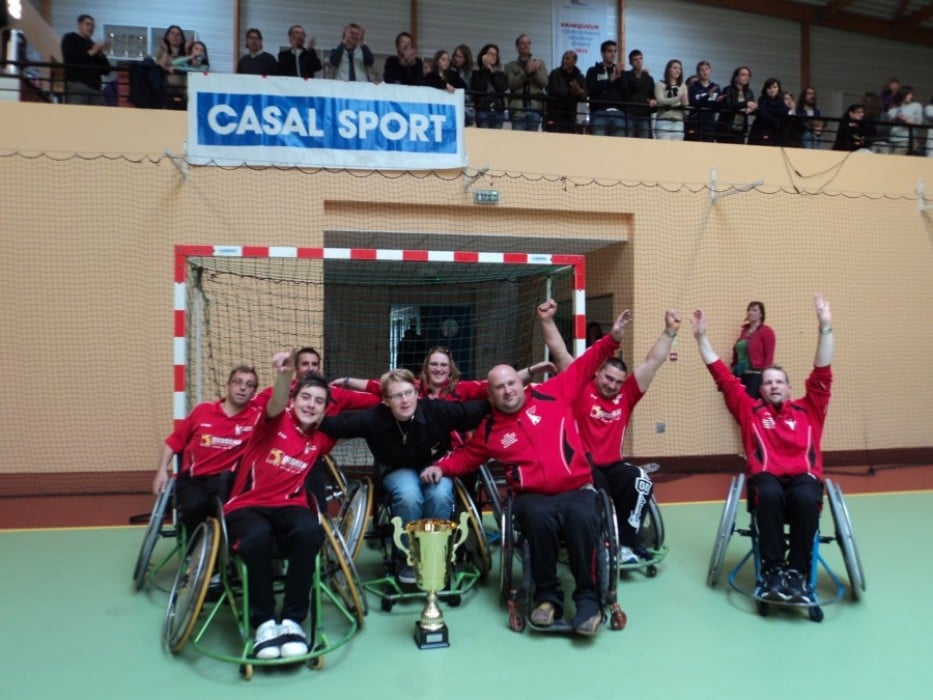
{"type": "Point", "coordinates": [771, 586]}
{"type": "Point", "coordinates": [796, 587]}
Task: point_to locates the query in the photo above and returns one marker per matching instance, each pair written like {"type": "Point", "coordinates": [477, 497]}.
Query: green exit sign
{"type": "Point", "coordinates": [486, 197]}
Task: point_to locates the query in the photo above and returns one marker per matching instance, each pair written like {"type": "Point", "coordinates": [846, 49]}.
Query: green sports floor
{"type": "Point", "coordinates": [73, 627]}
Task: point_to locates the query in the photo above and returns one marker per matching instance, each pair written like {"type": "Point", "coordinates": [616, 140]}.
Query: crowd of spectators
{"type": "Point", "coordinates": [608, 99]}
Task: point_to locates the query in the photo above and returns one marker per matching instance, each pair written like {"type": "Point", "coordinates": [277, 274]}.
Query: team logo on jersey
{"type": "Point", "coordinates": [532, 416]}
{"type": "Point", "coordinates": [768, 422]}
{"type": "Point", "coordinates": [790, 423]}
{"type": "Point", "coordinates": [600, 414]}
{"type": "Point", "coordinates": [509, 439]}
{"type": "Point", "coordinates": [206, 440]}
{"type": "Point", "coordinates": [240, 429]}
{"type": "Point", "coordinates": [277, 458]}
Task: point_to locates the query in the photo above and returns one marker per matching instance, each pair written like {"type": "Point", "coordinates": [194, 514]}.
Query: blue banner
{"type": "Point", "coordinates": [290, 121]}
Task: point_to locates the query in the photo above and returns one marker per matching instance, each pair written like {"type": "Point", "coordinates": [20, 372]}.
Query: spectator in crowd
{"type": "Point", "coordinates": [256, 61]}
{"type": "Point", "coordinates": [443, 78]}
{"type": "Point", "coordinates": [928, 113]}
{"type": "Point", "coordinates": [405, 67]}
{"type": "Point", "coordinates": [638, 92]}
{"type": "Point", "coordinates": [905, 116]}
{"type": "Point", "coordinates": [604, 86]}
{"type": "Point", "coordinates": [791, 133]}
{"type": "Point", "coordinates": [298, 61]}
{"type": "Point", "coordinates": [174, 45]}
{"type": "Point", "coordinates": [670, 94]}
{"type": "Point", "coordinates": [461, 62]}
{"type": "Point", "coordinates": [810, 115]}
{"type": "Point", "coordinates": [489, 86]}
{"type": "Point", "coordinates": [852, 132]}
{"type": "Point", "coordinates": [889, 92]}
{"type": "Point", "coordinates": [594, 331]}
{"type": "Point", "coordinates": [772, 115]}
{"type": "Point", "coordinates": [875, 123]}
{"type": "Point", "coordinates": [704, 101]}
{"type": "Point", "coordinates": [196, 59]}
{"type": "Point", "coordinates": [352, 59]}
{"type": "Point", "coordinates": [85, 62]}
{"type": "Point", "coordinates": [527, 78]}
{"type": "Point", "coordinates": [566, 88]}
{"type": "Point", "coordinates": [736, 105]}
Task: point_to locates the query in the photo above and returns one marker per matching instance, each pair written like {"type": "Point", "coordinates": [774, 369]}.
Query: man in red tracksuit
{"type": "Point", "coordinates": [532, 432]}
{"type": "Point", "coordinates": [781, 438]}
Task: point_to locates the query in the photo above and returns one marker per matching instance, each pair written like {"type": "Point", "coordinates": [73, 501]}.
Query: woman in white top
{"type": "Point", "coordinates": [671, 96]}
{"type": "Point", "coordinates": [904, 114]}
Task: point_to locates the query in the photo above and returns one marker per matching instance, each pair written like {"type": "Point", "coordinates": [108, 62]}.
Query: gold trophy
{"type": "Point", "coordinates": [431, 554]}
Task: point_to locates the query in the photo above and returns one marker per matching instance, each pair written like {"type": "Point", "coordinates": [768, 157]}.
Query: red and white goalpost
{"type": "Point", "coordinates": [237, 304]}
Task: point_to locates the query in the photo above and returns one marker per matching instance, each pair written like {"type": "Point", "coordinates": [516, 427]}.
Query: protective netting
{"type": "Point", "coordinates": [363, 316]}
{"type": "Point", "coordinates": [88, 253]}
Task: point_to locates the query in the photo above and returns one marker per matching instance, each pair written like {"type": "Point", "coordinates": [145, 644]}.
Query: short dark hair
{"type": "Point", "coordinates": [633, 53]}
{"type": "Point", "coordinates": [312, 379]}
{"type": "Point", "coordinates": [253, 30]}
{"type": "Point", "coordinates": [760, 305]}
{"type": "Point", "coordinates": [81, 18]}
{"type": "Point", "coordinates": [306, 350]}
{"type": "Point", "coordinates": [242, 369]}
{"type": "Point", "coordinates": [606, 44]}
{"type": "Point", "coordinates": [617, 363]}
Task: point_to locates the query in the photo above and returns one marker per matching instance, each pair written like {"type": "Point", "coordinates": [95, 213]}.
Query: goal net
{"type": "Point", "coordinates": [364, 310]}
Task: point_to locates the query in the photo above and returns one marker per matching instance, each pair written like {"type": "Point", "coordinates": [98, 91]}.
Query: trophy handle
{"type": "Point", "coordinates": [463, 531]}
{"type": "Point", "coordinates": [397, 530]}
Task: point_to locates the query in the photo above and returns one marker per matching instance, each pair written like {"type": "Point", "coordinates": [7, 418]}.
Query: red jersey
{"type": "Point", "coordinates": [602, 421]}
{"type": "Point", "coordinates": [275, 464]}
{"type": "Point", "coordinates": [784, 441]}
{"type": "Point", "coordinates": [211, 442]}
{"type": "Point", "coordinates": [540, 445]}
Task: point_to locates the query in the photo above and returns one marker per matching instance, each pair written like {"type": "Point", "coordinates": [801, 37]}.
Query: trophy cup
{"type": "Point", "coordinates": [431, 552]}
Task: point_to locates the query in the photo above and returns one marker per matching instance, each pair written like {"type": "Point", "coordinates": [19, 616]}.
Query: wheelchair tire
{"type": "Point", "coordinates": [341, 572]}
{"type": "Point", "coordinates": [337, 487]}
{"type": "Point", "coordinates": [845, 537]}
{"type": "Point", "coordinates": [475, 544]}
{"type": "Point", "coordinates": [651, 533]}
{"type": "Point", "coordinates": [491, 491]}
{"type": "Point", "coordinates": [726, 527]}
{"type": "Point", "coordinates": [190, 585]}
{"type": "Point", "coordinates": [154, 532]}
{"type": "Point", "coordinates": [353, 515]}
{"type": "Point", "coordinates": [506, 554]}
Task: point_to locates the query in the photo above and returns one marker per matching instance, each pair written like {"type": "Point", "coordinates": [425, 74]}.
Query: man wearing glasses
{"type": "Point", "coordinates": [405, 436]}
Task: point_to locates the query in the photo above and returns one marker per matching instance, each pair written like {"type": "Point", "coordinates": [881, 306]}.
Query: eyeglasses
{"type": "Point", "coordinates": [243, 382]}
{"type": "Point", "coordinates": [398, 396]}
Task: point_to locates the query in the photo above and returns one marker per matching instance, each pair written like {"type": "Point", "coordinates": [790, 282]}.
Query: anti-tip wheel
{"type": "Point", "coordinates": [246, 671]}
{"type": "Point", "coordinates": [652, 571]}
{"type": "Point", "coordinates": [386, 605]}
{"type": "Point", "coordinates": [815, 613]}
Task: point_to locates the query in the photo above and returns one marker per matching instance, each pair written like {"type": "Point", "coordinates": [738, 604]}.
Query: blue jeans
{"type": "Point", "coordinates": [411, 499]}
{"type": "Point", "coordinates": [639, 127]}
{"type": "Point", "coordinates": [526, 121]}
{"type": "Point", "coordinates": [488, 119]}
{"type": "Point", "coordinates": [607, 122]}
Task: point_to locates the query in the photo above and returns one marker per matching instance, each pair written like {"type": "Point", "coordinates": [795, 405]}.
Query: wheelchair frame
{"type": "Point", "coordinates": [519, 600]}
{"type": "Point", "coordinates": [844, 537]}
{"type": "Point", "coordinates": [471, 567]}
{"type": "Point", "coordinates": [156, 529]}
{"type": "Point", "coordinates": [188, 619]}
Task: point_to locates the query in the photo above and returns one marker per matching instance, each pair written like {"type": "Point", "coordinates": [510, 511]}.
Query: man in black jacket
{"type": "Point", "coordinates": [85, 62]}
{"type": "Point", "coordinates": [299, 61]}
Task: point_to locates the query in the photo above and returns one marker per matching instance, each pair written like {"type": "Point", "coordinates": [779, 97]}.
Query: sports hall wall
{"type": "Point", "coordinates": [92, 208]}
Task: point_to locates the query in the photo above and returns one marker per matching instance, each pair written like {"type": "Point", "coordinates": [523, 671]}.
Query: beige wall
{"type": "Point", "coordinates": [88, 253]}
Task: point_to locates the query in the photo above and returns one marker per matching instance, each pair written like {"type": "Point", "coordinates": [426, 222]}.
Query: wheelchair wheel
{"type": "Point", "coordinates": [846, 539]}
{"type": "Point", "coordinates": [342, 574]}
{"type": "Point", "coordinates": [337, 486]}
{"type": "Point", "coordinates": [609, 556]}
{"type": "Point", "coordinates": [507, 554]}
{"type": "Point", "coordinates": [190, 586]}
{"type": "Point", "coordinates": [651, 533]}
{"type": "Point", "coordinates": [351, 520]}
{"type": "Point", "coordinates": [491, 491]}
{"type": "Point", "coordinates": [726, 526]}
{"type": "Point", "coordinates": [475, 544]}
{"type": "Point", "coordinates": [154, 531]}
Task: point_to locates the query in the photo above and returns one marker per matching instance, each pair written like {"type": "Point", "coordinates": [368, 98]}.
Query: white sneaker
{"type": "Point", "coordinates": [293, 640]}
{"type": "Point", "coordinates": [627, 556]}
{"type": "Point", "coordinates": [267, 645]}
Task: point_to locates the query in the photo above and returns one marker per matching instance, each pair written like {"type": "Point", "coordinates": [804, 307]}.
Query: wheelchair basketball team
{"type": "Point", "coordinates": [558, 441]}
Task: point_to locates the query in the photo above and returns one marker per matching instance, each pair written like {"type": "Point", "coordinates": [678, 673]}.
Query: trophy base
{"type": "Point", "coordinates": [431, 639]}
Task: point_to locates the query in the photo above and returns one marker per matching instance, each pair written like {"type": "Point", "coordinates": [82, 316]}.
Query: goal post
{"type": "Point", "coordinates": [240, 304]}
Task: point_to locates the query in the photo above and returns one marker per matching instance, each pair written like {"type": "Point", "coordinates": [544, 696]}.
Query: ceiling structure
{"type": "Point", "coordinates": [898, 20]}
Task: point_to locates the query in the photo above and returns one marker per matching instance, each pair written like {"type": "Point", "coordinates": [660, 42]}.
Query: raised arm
{"type": "Point", "coordinates": [552, 338]}
{"type": "Point", "coordinates": [698, 320]}
{"type": "Point", "coordinates": [283, 364]}
{"type": "Point", "coordinates": [659, 352]}
{"type": "Point", "coordinates": [824, 342]}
